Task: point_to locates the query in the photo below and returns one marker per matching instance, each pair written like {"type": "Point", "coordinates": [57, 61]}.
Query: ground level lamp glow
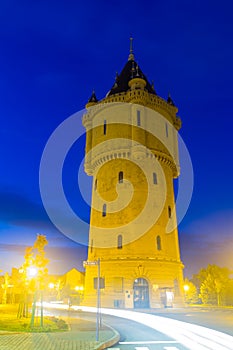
{"type": "Point", "coordinates": [186, 289]}
{"type": "Point", "coordinates": [51, 285]}
{"type": "Point", "coordinates": [79, 288]}
{"type": "Point", "coordinates": [32, 272]}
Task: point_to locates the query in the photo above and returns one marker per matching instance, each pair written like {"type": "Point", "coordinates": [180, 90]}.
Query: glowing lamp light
{"type": "Point", "coordinates": [51, 285]}
{"type": "Point", "coordinates": [186, 287]}
{"type": "Point", "coordinates": [78, 288]}
{"type": "Point", "coordinates": [32, 271]}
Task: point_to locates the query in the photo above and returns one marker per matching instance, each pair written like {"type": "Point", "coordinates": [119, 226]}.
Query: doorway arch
{"type": "Point", "coordinates": [141, 293]}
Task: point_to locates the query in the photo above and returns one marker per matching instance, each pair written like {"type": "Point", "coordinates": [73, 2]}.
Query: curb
{"type": "Point", "coordinates": [112, 341]}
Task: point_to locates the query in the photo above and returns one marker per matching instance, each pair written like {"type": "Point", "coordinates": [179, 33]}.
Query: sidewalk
{"type": "Point", "coordinates": [81, 336]}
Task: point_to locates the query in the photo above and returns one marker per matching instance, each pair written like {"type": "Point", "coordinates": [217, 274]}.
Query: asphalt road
{"type": "Point", "coordinates": [139, 337]}
{"type": "Point", "coordinates": [136, 336]}
{"type": "Point", "coordinates": [215, 318]}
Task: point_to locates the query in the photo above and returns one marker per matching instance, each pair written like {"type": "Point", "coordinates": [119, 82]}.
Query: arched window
{"type": "Point", "coordinates": [104, 210]}
{"type": "Point", "coordinates": [120, 177]}
{"type": "Point", "coordinates": [158, 242]}
{"type": "Point", "coordinates": [169, 211]}
{"type": "Point", "coordinates": [166, 128]}
{"type": "Point", "coordinates": [138, 118]}
{"type": "Point", "coordinates": [155, 180]}
{"type": "Point", "coordinates": [119, 242]}
{"type": "Point", "coordinates": [105, 127]}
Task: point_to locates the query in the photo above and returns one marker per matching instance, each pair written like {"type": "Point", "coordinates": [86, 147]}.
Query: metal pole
{"type": "Point", "coordinates": [41, 310]}
{"type": "Point", "coordinates": [98, 300]}
{"type": "Point", "coordinates": [33, 309]}
{"type": "Point", "coordinates": [99, 297]}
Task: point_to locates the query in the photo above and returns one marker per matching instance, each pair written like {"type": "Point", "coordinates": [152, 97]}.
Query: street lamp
{"type": "Point", "coordinates": [78, 288]}
{"type": "Point", "coordinates": [32, 272]}
{"type": "Point", "coordinates": [186, 289]}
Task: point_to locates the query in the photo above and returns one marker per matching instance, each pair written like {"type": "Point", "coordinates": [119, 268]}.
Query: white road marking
{"type": "Point", "coordinates": [189, 335]}
{"type": "Point", "coordinates": [145, 347]}
{"type": "Point", "coordinates": [148, 342]}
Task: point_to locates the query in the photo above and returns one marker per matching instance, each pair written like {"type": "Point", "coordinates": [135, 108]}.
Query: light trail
{"type": "Point", "coordinates": [148, 342]}
{"type": "Point", "coordinates": [191, 336]}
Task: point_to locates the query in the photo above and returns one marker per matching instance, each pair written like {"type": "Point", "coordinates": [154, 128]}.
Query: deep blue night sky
{"type": "Point", "coordinates": [53, 53]}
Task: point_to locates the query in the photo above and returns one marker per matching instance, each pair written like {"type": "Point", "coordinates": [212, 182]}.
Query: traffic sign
{"type": "Point", "coordinates": [90, 263]}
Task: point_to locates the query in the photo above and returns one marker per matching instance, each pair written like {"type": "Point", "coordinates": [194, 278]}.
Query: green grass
{"type": "Point", "coordinates": [10, 323]}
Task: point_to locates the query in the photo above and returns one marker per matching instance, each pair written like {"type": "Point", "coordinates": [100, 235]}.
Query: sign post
{"type": "Point", "coordinates": [96, 263]}
{"type": "Point", "coordinates": [98, 297]}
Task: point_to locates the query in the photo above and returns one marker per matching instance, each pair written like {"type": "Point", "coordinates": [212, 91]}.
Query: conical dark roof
{"type": "Point", "coordinates": [170, 101]}
{"type": "Point", "coordinates": [93, 97]}
{"type": "Point", "coordinates": [131, 70]}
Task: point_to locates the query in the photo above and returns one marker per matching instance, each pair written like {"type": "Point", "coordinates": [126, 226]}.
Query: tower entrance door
{"type": "Point", "coordinates": [141, 293]}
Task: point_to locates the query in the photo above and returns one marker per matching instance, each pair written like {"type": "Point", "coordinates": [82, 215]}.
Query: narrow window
{"type": "Point", "coordinates": [166, 126]}
{"type": "Point", "coordinates": [120, 177]}
{"type": "Point", "coordinates": [119, 242]}
{"type": "Point", "coordinates": [155, 181]}
{"type": "Point", "coordinates": [138, 118]}
{"type": "Point", "coordinates": [158, 242]}
{"type": "Point", "coordinates": [169, 211]}
{"type": "Point", "coordinates": [91, 245]}
{"type": "Point", "coordinates": [105, 127]}
{"type": "Point", "coordinates": [104, 210]}
{"type": "Point", "coordinates": [95, 184]}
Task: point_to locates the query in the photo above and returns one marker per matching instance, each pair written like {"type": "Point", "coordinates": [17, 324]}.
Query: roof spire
{"type": "Point", "coordinates": [93, 97]}
{"type": "Point", "coordinates": [169, 100]}
{"type": "Point", "coordinates": [131, 55]}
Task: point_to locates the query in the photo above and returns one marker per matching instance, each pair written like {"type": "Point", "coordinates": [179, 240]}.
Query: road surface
{"type": "Point", "coordinates": [179, 329]}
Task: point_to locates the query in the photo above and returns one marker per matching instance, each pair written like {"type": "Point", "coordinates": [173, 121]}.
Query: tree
{"type": "Point", "coordinates": [229, 293]}
{"type": "Point", "coordinates": [34, 272]}
{"type": "Point", "coordinates": [5, 287]}
{"type": "Point", "coordinates": [40, 262]}
{"type": "Point", "coordinates": [27, 284]}
{"type": "Point", "coordinates": [213, 281]}
{"type": "Point", "coordinates": [190, 292]}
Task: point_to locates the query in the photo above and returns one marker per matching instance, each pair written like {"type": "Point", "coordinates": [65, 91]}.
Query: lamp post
{"type": "Point", "coordinates": [96, 263]}
{"type": "Point", "coordinates": [186, 289]}
{"type": "Point", "coordinates": [32, 272]}
{"type": "Point", "coordinates": [98, 301]}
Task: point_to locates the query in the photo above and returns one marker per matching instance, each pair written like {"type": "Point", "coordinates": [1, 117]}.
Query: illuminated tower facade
{"type": "Point", "coordinates": [132, 155]}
